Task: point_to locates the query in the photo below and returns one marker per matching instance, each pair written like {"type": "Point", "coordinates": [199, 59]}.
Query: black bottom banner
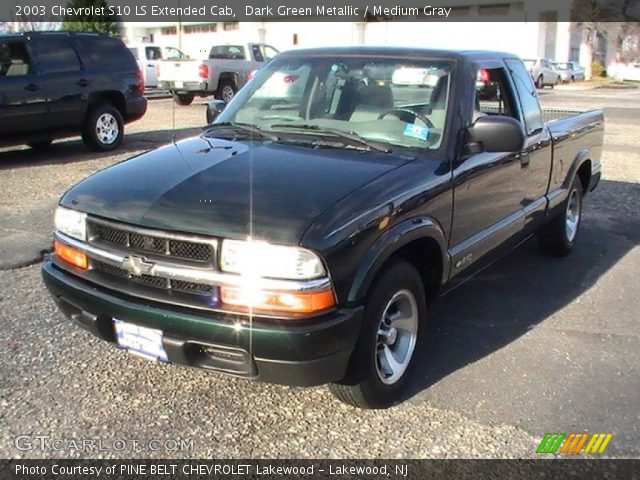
{"type": "Point", "coordinates": [319, 469]}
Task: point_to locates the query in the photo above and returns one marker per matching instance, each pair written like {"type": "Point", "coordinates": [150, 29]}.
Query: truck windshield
{"type": "Point", "coordinates": [394, 101]}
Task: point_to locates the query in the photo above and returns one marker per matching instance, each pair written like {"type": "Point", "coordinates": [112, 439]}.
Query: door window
{"type": "Point", "coordinates": [14, 59]}
{"type": "Point", "coordinates": [55, 55]}
{"type": "Point", "coordinates": [494, 95]}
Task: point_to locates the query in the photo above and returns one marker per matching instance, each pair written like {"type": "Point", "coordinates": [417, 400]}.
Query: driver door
{"type": "Point", "coordinates": [488, 195]}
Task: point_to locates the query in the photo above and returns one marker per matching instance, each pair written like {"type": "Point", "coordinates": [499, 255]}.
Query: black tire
{"type": "Point", "coordinates": [226, 90]}
{"type": "Point", "coordinates": [362, 385]}
{"type": "Point", "coordinates": [573, 79]}
{"type": "Point", "coordinates": [104, 128]}
{"type": "Point", "coordinates": [557, 238]}
{"type": "Point", "coordinates": [540, 82]}
{"type": "Point", "coordinates": [183, 99]}
{"type": "Point", "coordinates": [40, 144]}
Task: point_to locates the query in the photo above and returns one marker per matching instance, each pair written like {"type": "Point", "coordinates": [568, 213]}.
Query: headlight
{"type": "Point", "coordinates": [71, 223]}
{"type": "Point", "coordinates": [270, 261]}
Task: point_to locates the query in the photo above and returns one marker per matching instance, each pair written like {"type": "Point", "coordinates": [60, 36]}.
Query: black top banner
{"type": "Point", "coordinates": [321, 10]}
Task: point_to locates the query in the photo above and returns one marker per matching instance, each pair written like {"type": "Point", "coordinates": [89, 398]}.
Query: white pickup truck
{"type": "Point", "coordinates": [222, 74]}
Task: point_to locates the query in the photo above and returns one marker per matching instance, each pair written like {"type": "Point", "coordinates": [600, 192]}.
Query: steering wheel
{"type": "Point", "coordinates": [397, 111]}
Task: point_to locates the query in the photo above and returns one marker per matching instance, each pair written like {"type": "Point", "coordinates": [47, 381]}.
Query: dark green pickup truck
{"type": "Point", "coordinates": [301, 237]}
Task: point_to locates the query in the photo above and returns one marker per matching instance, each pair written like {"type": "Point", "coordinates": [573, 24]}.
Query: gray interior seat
{"type": "Point", "coordinates": [372, 100]}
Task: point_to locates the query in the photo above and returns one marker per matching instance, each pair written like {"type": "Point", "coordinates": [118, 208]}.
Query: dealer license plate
{"type": "Point", "coordinates": [142, 341]}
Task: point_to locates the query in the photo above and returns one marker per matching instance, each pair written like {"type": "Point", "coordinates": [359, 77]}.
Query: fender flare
{"type": "Point", "coordinates": [558, 196]}
{"type": "Point", "coordinates": [583, 156]}
{"type": "Point", "coordinates": [389, 243]}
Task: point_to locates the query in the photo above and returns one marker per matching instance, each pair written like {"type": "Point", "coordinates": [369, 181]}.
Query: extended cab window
{"type": "Point", "coordinates": [14, 59]}
{"type": "Point", "coordinates": [55, 55]}
{"type": "Point", "coordinates": [527, 95]}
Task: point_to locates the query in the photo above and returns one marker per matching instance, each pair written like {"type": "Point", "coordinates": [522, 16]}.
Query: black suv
{"type": "Point", "coordinates": [57, 84]}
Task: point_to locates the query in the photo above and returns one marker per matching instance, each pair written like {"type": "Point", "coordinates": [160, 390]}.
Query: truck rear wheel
{"type": "Point", "coordinates": [226, 90]}
{"type": "Point", "coordinates": [183, 99]}
{"type": "Point", "coordinates": [104, 128]}
{"type": "Point", "coordinates": [394, 319]}
{"type": "Point", "coordinates": [558, 237]}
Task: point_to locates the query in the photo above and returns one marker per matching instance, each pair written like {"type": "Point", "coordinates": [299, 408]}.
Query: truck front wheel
{"type": "Point", "coordinates": [183, 99]}
{"type": "Point", "coordinates": [393, 323]}
{"type": "Point", "coordinates": [558, 237]}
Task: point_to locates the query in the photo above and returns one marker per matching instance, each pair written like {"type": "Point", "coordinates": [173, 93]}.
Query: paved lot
{"type": "Point", "coordinates": [532, 345]}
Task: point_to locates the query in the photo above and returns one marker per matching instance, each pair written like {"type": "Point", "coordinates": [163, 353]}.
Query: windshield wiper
{"type": "Point", "coordinates": [244, 127]}
{"type": "Point", "coordinates": [353, 136]}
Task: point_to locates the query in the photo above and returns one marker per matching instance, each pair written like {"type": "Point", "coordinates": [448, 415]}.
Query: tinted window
{"type": "Point", "coordinates": [14, 60]}
{"type": "Point", "coordinates": [134, 52]}
{"type": "Point", "coordinates": [527, 95]}
{"type": "Point", "coordinates": [228, 52]}
{"type": "Point", "coordinates": [107, 53]}
{"type": "Point", "coordinates": [55, 55]}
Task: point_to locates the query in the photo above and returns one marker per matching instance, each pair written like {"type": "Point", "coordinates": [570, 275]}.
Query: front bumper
{"type": "Point", "coordinates": [292, 352]}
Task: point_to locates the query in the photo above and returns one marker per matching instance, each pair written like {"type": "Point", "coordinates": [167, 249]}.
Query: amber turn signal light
{"type": "Point", "coordinates": [73, 256]}
{"type": "Point", "coordinates": [286, 302]}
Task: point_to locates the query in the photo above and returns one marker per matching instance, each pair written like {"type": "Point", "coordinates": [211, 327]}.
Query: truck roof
{"type": "Point", "coordinates": [471, 55]}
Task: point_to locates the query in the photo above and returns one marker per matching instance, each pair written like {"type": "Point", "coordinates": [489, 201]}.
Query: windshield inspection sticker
{"type": "Point", "coordinates": [416, 131]}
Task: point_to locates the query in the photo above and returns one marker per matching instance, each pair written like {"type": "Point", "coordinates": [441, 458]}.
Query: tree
{"type": "Point", "coordinates": [103, 23]}
{"type": "Point", "coordinates": [606, 19]}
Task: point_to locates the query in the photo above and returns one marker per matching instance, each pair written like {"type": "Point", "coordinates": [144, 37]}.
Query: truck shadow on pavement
{"type": "Point", "coordinates": [525, 288]}
{"type": "Point", "coordinates": [70, 150]}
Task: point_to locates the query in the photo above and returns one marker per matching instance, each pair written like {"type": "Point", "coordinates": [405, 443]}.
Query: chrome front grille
{"type": "Point", "coordinates": [144, 241]}
{"type": "Point", "coordinates": [155, 282]}
{"type": "Point", "coordinates": [158, 248]}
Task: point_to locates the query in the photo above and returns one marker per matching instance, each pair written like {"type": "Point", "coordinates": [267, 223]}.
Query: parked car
{"type": "Point", "coordinates": [569, 71]}
{"type": "Point", "coordinates": [56, 84]}
{"type": "Point", "coordinates": [226, 70]}
{"type": "Point", "coordinates": [625, 71]}
{"type": "Point", "coordinates": [542, 72]}
{"type": "Point", "coordinates": [300, 238]}
{"type": "Point", "coordinates": [148, 57]}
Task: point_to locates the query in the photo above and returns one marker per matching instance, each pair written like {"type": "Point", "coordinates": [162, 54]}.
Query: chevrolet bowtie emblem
{"type": "Point", "coordinates": [137, 266]}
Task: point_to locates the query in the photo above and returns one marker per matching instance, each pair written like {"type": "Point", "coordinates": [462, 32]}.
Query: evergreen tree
{"type": "Point", "coordinates": [104, 23]}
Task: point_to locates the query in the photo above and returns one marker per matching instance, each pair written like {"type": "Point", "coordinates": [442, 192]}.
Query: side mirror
{"type": "Point", "coordinates": [495, 133]}
{"type": "Point", "coordinates": [215, 108]}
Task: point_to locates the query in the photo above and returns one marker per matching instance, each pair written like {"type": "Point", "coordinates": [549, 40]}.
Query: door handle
{"type": "Point", "coordinates": [83, 82]}
{"type": "Point", "coordinates": [32, 87]}
{"type": "Point", "coordinates": [150, 65]}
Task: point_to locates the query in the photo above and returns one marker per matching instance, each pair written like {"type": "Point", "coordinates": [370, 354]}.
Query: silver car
{"type": "Point", "coordinates": [542, 72]}
{"type": "Point", "coordinates": [569, 71]}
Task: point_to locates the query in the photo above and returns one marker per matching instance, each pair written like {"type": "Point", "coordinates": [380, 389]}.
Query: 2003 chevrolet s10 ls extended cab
{"type": "Point", "coordinates": [301, 237]}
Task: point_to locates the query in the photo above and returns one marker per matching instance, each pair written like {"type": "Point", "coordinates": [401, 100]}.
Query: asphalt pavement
{"type": "Point", "coordinates": [532, 345]}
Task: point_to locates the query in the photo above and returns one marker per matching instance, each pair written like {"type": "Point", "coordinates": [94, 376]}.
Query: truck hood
{"type": "Point", "coordinates": [216, 187]}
